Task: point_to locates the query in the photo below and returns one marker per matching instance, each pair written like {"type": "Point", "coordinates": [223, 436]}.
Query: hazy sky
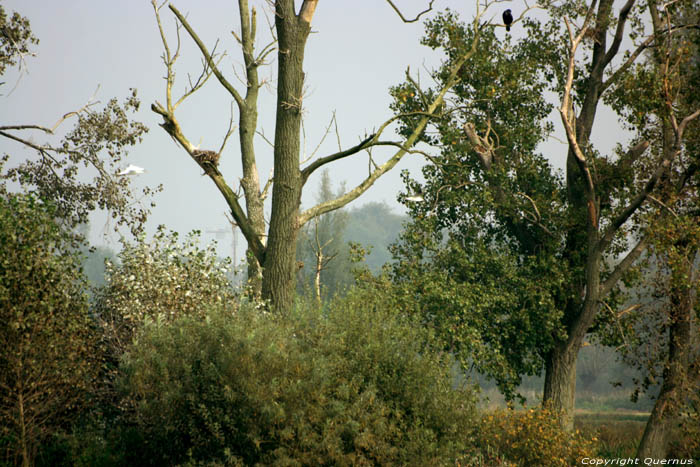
{"type": "Point", "coordinates": [358, 49]}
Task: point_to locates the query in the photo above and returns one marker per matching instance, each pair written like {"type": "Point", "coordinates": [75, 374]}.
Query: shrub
{"type": "Point", "coordinates": [529, 437]}
{"type": "Point", "coordinates": [356, 385]}
{"type": "Point", "coordinates": [159, 278]}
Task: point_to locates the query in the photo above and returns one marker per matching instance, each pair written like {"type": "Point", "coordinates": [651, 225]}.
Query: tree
{"type": "Point", "coordinates": [274, 250]}
{"type": "Point", "coordinates": [57, 173]}
{"type": "Point", "coordinates": [665, 340]}
{"type": "Point", "coordinates": [571, 240]}
{"type": "Point", "coordinates": [320, 243]}
{"type": "Point", "coordinates": [159, 278]}
{"type": "Point", "coordinates": [48, 345]}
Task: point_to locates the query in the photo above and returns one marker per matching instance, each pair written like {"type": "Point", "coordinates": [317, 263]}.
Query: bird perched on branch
{"type": "Point", "coordinates": [507, 19]}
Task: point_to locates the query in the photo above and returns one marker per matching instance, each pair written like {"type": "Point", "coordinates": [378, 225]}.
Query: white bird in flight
{"type": "Point", "coordinates": [415, 198]}
{"type": "Point", "coordinates": [132, 170]}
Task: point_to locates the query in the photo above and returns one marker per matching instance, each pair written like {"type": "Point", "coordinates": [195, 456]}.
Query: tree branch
{"type": "Point", "coordinates": [172, 127]}
{"type": "Point", "coordinates": [615, 46]}
{"type": "Point", "coordinates": [623, 266]}
{"type": "Point", "coordinates": [306, 13]}
{"type": "Point", "coordinates": [569, 118]}
{"type": "Point", "coordinates": [404, 19]}
{"type": "Point", "coordinates": [353, 194]}
{"type": "Point", "coordinates": [307, 171]}
{"type": "Point", "coordinates": [210, 61]}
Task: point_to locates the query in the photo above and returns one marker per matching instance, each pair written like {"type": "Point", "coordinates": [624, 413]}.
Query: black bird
{"type": "Point", "coordinates": [507, 19]}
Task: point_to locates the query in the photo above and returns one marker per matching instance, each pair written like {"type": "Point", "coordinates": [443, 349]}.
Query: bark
{"type": "Point", "coordinates": [248, 124]}
{"type": "Point", "coordinates": [278, 280]}
{"type": "Point", "coordinates": [656, 437]}
{"type": "Point", "coordinates": [560, 384]}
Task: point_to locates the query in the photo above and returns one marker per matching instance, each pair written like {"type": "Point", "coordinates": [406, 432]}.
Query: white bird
{"type": "Point", "coordinates": [415, 198]}
{"type": "Point", "coordinates": [132, 170]}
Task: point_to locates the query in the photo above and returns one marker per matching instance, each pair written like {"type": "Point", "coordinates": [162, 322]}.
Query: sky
{"type": "Point", "coordinates": [356, 52]}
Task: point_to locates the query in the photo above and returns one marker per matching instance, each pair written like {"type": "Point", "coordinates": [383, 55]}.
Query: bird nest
{"type": "Point", "coordinates": [208, 160]}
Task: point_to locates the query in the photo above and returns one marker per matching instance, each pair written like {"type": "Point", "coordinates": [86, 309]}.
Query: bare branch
{"type": "Point", "coordinates": [323, 138]}
{"type": "Point", "coordinates": [568, 116]}
{"type": "Point", "coordinates": [660, 203]}
{"type": "Point", "coordinates": [306, 172]}
{"type": "Point", "coordinates": [630, 60]}
{"type": "Point", "coordinates": [268, 184]}
{"type": "Point", "coordinates": [406, 20]}
{"type": "Point", "coordinates": [229, 132]}
{"type": "Point", "coordinates": [607, 237]}
{"type": "Point", "coordinates": [426, 116]}
{"type": "Point", "coordinates": [265, 138]}
{"type": "Point", "coordinates": [210, 61]}
{"type": "Point", "coordinates": [201, 81]}
{"type": "Point", "coordinates": [65, 117]}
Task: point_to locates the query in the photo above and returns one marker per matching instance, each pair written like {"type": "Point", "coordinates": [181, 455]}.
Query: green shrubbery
{"type": "Point", "coordinates": [356, 385]}
{"type": "Point", "coordinates": [162, 277]}
{"type": "Point", "coordinates": [188, 375]}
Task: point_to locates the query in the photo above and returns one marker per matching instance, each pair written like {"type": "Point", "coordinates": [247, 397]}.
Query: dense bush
{"type": "Point", "coordinates": [161, 277]}
{"type": "Point", "coordinates": [528, 437]}
{"type": "Point", "coordinates": [354, 386]}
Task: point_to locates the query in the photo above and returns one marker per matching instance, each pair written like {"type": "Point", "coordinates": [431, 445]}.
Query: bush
{"type": "Point", "coordinates": [528, 437]}
{"type": "Point", "coordinates": [159, 278]}
{"type": "Point", "coordinates": [356, 385]}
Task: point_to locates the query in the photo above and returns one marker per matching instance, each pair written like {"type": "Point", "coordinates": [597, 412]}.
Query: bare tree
{"type": "Point", "coordinates": [274, 249]}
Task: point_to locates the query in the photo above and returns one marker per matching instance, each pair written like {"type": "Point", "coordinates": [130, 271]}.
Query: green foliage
{"type": "Point", "coordinates": [15, 39]}
{"type": "Point", "coordinates": [99, 141]}
{"type": "Point", "coordinates": [376, 226]}
{"type": "Point", "coordinates": [160, 278]}
{"type": "Point", "coordinates": [482, 255]}
{"type": "Point", "coordinates": [485, 307]}
{"type": "Point", "coordinates": [48, 351]}
{"type": "Point", "coordinates": [529, 437]}
{"type": "Point", "coordinates": [356, 385]}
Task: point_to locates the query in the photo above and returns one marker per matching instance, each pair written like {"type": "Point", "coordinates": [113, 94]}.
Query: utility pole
{"type": "Point", "coordinates": [221, 233]}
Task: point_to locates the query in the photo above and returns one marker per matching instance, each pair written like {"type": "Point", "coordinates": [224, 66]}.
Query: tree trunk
{"type": "Point", "coordinates": [317, 276]}
{"type": "Point", "coordinates": [560, 384]}
{"type": "Point", "coordinates": [278, 275]}
{"type": "Point", "coordinates": [23, 430]}
{"type": "Point", "coordinates": [655, 440]}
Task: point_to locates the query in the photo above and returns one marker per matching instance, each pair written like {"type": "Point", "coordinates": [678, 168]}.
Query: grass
{"type": "Point", "coordinates": [617, 433]}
